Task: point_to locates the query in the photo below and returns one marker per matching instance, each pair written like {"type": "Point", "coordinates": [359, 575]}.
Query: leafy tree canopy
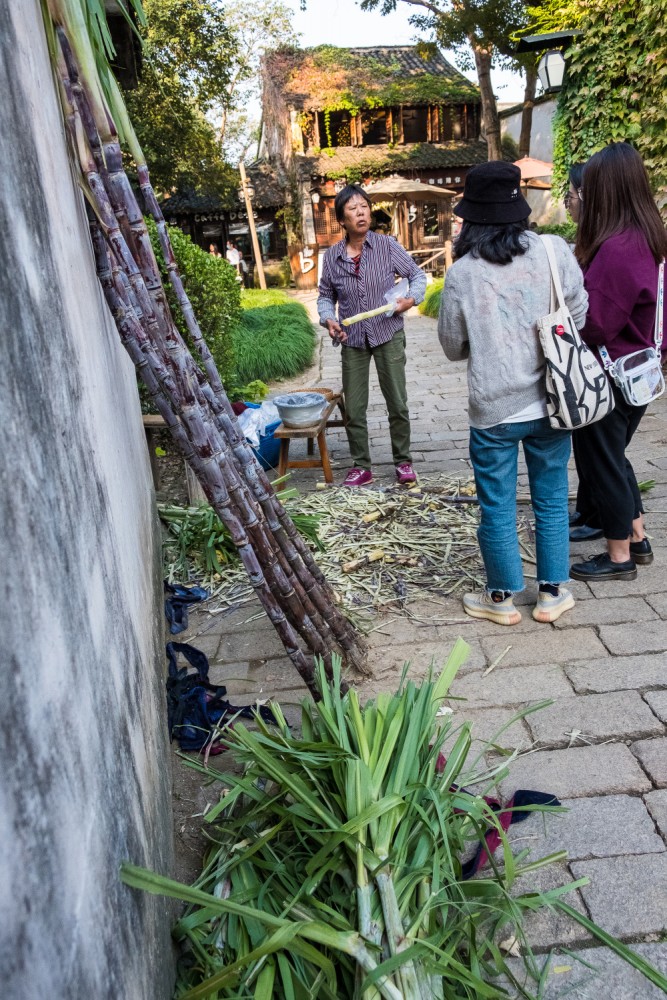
{"type": "Point", "coordinates": [189, 54]}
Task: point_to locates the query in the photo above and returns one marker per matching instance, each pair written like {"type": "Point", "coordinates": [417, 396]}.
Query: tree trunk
{"type": "Point", "coordinates": [490, 120]}
{"type": "Point", "coordinates": [527, 113]}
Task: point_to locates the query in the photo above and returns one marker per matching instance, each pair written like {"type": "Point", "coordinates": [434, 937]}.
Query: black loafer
{"type": "Point", "coordinates": [641, 552]}
{"type": "Point", "coordinates": [574, 518]}
{"type": "Point", "coordinates": [602, 568]}
{"type": "Point", "coordinates": [584, 533]}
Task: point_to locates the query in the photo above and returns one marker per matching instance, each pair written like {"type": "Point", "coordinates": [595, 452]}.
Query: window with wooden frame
{"type": "Point", "coordinates": [324, 218]}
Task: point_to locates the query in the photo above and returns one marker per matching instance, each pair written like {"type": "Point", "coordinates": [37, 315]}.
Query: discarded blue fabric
{"type": "Point", "coordinates": [176, 604]}
{"type": "Point", "coordinates": [197, 709]}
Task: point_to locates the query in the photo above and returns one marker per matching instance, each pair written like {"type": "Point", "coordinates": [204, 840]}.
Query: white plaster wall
{"type": "Point", "coordinates": [541, 134]}
{"type": "Point", "coordinates": [84, 780]}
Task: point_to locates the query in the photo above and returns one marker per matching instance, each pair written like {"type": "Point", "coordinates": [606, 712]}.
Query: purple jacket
{"type": "Point", "coordinates": [622, 286]}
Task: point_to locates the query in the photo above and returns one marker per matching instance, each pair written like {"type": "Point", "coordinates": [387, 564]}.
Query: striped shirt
{"type": "Point", "coordinates": [356, 288]}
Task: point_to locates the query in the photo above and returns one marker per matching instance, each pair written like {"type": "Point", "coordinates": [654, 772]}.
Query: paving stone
{"type": "Point", "coordinates": [389, 660]}
{"type": "Point", "coordinates": [658, 702]}
{"type": "Point", "coordinates": [650, 579]}
{"type": "Point", "coordinates": [598, 827]}
{"type": "Point", "coordinates": [257, 644]}
{"type": "Point", "coordinates": [487, 723]}
{"type": "Point", "coordinates": [548, 928]}
{"type": "Point", "coordinates": [627, 895]}
{"type": "Point", "coordinates": [511, 686]}
{"type": "Point", "coordinates": [618, 639]}
{"type": "Point", "coordinates": [610, 976]}
{"type": "Point", "coordinates": [578, 772]}
{"type": "Point", "coordinates": [652, 754]}
{"type": "Point", "coordinates": [545, 646]}
{"type": "Point", "coordinates": [612, 611]}
{"type": "Point", "coordinates": [596, 717]}
{"type": "Point", "coordinates": [617, 673]}
{"type": "Point", "coordinates": [659, 603]}
{"type": "Point", "coordinates": [656, 803]}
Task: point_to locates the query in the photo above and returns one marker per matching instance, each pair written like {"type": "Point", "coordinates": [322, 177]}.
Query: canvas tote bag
{"type": "Point", "coordinates": [578, 391]}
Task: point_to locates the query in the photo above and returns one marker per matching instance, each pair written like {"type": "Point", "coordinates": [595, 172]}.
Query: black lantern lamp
{"type": "Point", "coordinates": [551, 70]}
{"type": "Point", "coordinates": [551, 67]}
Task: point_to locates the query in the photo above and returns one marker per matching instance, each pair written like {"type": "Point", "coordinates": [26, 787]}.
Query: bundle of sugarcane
{"type": "Point", "coordinates": [337, 868]}
{"type": "Point", "coordinates": [192, 401]}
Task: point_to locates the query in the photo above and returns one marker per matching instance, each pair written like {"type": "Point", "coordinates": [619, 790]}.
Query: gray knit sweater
{"type": "Point", "coordinates": [489, 315]}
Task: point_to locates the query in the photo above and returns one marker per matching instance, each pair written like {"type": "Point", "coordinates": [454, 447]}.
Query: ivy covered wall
{"type": "Point", "coordinates": [615, 87]}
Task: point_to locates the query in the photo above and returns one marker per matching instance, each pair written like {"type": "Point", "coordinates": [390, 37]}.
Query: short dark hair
{"type": "Point", "coordinates": [348, 192]}
{"type": "Point", "coordinates": [498, 244]}
{"type": "Point", "coordinates": [617, 197]}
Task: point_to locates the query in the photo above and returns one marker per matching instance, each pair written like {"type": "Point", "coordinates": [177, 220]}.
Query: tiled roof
{"type": "Point", "coordinates": [391, 159]}
{"type": "Point", "coordinates": [311, 79]}
{"type": "Point", "coordinates": [269, 183]}
{"type": "Point", "coordinates": [184, 202]}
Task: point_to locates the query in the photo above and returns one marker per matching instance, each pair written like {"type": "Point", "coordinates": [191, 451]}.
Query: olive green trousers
{"type": "Point", "coordinates": [390, 366]}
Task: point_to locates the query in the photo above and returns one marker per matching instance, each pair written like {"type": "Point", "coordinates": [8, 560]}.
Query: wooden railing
{"type": "Point", "coordinates": [443, 256]}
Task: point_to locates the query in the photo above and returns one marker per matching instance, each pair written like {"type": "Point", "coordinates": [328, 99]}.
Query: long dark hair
{"type": "Point", "coordinates": [497, 244]}
{"type": "Point", "coordinates": [617, 197]}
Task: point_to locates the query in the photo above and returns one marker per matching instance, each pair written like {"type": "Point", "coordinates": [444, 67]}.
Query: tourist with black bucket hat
{"type": "Point", "coordinates": [498, 287]}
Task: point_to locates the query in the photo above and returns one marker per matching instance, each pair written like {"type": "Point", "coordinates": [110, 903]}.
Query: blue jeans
{"type": "Point", "coordinates": [494, 454]}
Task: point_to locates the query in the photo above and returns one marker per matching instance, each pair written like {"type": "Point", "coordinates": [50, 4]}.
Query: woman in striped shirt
{"type": "Point", "coordinates": [357, 273]}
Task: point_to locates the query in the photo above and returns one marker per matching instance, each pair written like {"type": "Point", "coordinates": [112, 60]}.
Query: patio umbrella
{"type": "Point", "coordinates": [394, 186]}
{"type": "Point", "coordinates": [530, 167]}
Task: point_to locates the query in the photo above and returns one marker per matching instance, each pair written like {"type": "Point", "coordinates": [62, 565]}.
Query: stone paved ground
{"type": "Point", "coordinates": [601, 746]}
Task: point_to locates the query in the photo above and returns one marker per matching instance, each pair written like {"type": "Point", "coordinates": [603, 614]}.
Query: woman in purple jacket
{"type": "Point", "coordinates": [620, 243]}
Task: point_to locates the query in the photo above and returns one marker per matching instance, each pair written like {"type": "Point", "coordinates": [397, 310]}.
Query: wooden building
{"type": "Point", "coordinates": [332, 116]}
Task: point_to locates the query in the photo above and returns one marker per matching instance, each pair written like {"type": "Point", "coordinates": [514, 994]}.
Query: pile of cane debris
{"type": "Point", "coordinates": [386, 548]}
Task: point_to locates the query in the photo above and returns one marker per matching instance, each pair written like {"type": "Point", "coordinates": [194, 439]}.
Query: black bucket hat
{"type": "Point", "coordinates": [492, 195]}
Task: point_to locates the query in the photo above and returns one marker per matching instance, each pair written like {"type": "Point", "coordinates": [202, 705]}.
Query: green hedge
{"type": "Point", "coordinates": [568, 230]}
{"type": "Point", "coordinates": [431, 304]}
{"type": "Point", "coordinates": [274, 338]}
{"type": "Point", "coordinates": [214, 293]}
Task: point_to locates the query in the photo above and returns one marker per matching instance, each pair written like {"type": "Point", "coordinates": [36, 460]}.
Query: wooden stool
{"type": "Point", "coordinates": [319, 431]}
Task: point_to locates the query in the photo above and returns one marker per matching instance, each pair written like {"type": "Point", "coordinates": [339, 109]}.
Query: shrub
{"type": "Point", "coordinates": [274, 338]}
{"type": "Point", "coordinates": [431, 304]}
{"type": "Point", "coordinates": [214, 293]}
{"type": "Point", "coordinates": [568, 230]}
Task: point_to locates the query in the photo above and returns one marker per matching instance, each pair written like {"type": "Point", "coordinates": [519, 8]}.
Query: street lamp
{"type": "Point", "coordinates": [551, 70]}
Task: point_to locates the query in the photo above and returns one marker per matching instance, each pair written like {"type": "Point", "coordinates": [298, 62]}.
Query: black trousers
{"type": "Point", "coordinates": [608, 495]}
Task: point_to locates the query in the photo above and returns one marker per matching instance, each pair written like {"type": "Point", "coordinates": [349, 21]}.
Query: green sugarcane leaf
{"type": "Point", "coordinates": [636, 961]}
{"type": "Point", "coordinates": [265, 981]}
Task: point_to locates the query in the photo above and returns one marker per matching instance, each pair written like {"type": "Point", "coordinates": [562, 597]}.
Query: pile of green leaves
{"type": "Point", "coordinates": [431, 304]}
{"type": "Point", "coordinates": [274, 337]}
{"type": "Point", "coordinates": [614, 89]}
{"type": "Point", "coordinates": [336, 867]}
{"type": "Point", "coordinates": [198, 545]}
{"type": "Point", "coordinates": [214, 293]}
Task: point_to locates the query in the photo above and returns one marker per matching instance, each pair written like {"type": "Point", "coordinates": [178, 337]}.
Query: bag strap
{"type": "Point", "coordinates": [553, 267]}
{"type": "Point", "coordinates": [660, 306]}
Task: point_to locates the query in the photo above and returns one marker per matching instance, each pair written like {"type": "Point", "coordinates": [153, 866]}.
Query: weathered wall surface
{"type": "Point", "coordinates": [83, 748]}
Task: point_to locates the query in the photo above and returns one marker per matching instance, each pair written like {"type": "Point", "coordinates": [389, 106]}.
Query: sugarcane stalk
{"type": "Point", "coordinates": [396, 934]}
{"type": "Point", "coordinates": [194, 405]}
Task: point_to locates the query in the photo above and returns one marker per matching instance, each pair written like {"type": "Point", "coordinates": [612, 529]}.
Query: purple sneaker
{"type": "Point", "coordinates": [358, 477]}
{"type": "Point", "coordinates": [405, 473]}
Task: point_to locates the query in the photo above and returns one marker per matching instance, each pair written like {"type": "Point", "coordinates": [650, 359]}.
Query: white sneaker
{"type": "Point", "coordinates": [549, 609]}
{"type": "Point", "coordinates": [482, 605]}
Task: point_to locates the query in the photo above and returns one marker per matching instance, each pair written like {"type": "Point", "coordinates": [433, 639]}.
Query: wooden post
{"type": "Point", "coordinates": [251, 226]}
{"type": "Point", "coordinates": [448, 254]}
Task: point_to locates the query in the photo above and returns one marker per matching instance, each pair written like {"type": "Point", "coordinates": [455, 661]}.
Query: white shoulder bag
{"type": "Point", "coordinates": [578, 391]}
